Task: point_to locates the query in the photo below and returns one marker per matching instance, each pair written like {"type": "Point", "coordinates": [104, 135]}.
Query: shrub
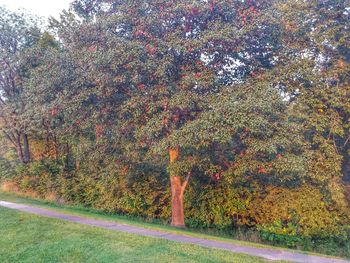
{"type": "Point", "coordinates": [305, 207]}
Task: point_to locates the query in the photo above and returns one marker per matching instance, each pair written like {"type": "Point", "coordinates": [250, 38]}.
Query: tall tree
{"type": "Point", "coordinates": [157, 66]}
{"type": "Point", "coordinates": [313, 73]}
{"type": "Point", "coordinates": [18, 33]}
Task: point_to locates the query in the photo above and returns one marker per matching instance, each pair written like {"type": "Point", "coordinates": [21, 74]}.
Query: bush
{"type": "Point", "coordinates": [304, 207]}
{"type": "Point", "coordinates": [39, 177]}
{"type": "Point", "coordinates": [281, 234]}
{"type": "Point", "coordinates": [7, 169]}
{"type": "Point", "coordinates": [297, 217]}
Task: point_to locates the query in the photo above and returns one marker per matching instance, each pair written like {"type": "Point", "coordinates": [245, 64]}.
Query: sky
{"type": "Point", "coordinates": [43, 8]}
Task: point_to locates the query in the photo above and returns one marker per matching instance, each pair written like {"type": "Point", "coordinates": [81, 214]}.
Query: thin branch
{"type": "Point", "coordinates": [185, 183]}
{"type": "Point", "coordinates": [10, 139]}
{"type": "Point", "coordinates": [346, 142]}
{"type": "Point", "coordinates": [335, 145]}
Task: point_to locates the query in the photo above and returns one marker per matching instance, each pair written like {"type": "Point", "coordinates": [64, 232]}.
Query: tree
{"type": "Point", "coordinates": [313, 71]}
{"type": "Point", "coordinates": [166, 63]}
{"type": "Point", "coordinates": [17, 34]}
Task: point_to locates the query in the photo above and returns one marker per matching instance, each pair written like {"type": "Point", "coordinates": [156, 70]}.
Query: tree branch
{"type": "Point", "coordinates": [335, 145]}
{"type": "Point", "coordinates": [185, 183]}
{"type": "Point", "coordinates": [10, 139]}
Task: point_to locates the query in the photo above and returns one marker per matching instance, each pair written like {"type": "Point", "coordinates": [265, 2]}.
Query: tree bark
{"type": "Point", "coordinates": [177, 203]}
{"type": "Point", "coordinates": [77, 164]}
{"type": "Point", "coordinates": [177, 192]}
{"type": "Point", "coordinates": [55, 143]}
{"type": "Point", "coordinates": [26, 149]}
{"type": "Point", "coordinates": [19, 147]}
{"type": "Point", "coordinates": [67, 153]}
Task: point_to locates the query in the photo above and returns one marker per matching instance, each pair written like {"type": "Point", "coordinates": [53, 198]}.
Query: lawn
{"type": "Point", "coordinates": [91, 213]}
{"type": "Point", "coordinates": [87, 212]}
{"type": "Point", "coordinates": [31, 238]}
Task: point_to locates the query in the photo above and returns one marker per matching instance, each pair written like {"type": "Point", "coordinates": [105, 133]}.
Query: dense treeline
{"type": "Point", "coordinates": [221, 114]}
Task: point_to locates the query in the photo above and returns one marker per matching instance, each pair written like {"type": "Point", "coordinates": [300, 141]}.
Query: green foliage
{"type": "Point", "coordinates": [38, 177]}
{"type": "Point", "coordinates": [305, 207]}
{"type": "Point", "coordinates": [216, 206]}
{"type": "Point", "coordinates": [279, 233]}
{"type": "Point", "coordinates": [7, 169]}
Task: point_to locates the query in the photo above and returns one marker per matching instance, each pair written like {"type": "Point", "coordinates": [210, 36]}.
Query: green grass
{"type": "Point", "coordinates": [30, 238]}
{"type": "Point", "coordinates": [87, 212]}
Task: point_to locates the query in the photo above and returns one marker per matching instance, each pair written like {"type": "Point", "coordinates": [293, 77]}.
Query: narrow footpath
{"type": "Point", "coordinates": [270, 254]}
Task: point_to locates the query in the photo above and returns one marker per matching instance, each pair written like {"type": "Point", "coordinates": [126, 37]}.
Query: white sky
{"type": "Point", "coordinates": [44, 8]}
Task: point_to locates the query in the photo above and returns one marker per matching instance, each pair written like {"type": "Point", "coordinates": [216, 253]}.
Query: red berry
{"type": "Point", "coordinates": [141, 86]}
{"type": "Point", "coordinates": [151, 50]}
{"type": "Point", "coordinates": [212, 6]}
{"type": "Point", "coordinates": [54, 111]}
{"type": "Point", "coordinates": [195, 11]}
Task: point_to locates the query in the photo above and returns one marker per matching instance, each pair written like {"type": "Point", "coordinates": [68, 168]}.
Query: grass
{"type": "Point", "coordinates": [87, 212]}
{"type": "Point", "coordinates": [30, 238]}
{"type": "Point", "coordinates": [91, 213]}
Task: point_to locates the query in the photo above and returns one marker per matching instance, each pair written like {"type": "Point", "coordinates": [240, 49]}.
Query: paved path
{"type": "Point", "coordinates": [271, 254]}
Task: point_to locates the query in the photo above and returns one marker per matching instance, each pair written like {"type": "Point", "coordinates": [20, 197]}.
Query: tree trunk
{"type": "Point", "coordinates": [67, 153]}
{"type": "Point", "coordinates": [55, 144]}
{"type": "Point", "coordinates": [177, 202]}
{"type": "Point", "coordinates": [19, 147]}
{"type": "Point", "coordinates": [77, 164]}
{"type": "Point", "coordinates": [177, 192]}
{"type": "Point", "coordinates": [26, 149]}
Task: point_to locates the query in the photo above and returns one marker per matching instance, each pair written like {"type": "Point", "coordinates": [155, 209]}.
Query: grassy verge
{"type": "Point", "coordinates": [30, 238]}
{"type": "Point", "coordinates": [76, 210]}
